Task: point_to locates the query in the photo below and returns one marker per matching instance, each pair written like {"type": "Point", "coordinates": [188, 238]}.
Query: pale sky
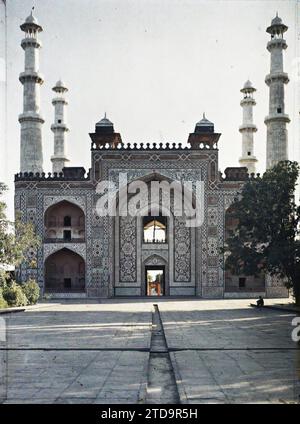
{"type": "Point", "coordinates": [154, 66]}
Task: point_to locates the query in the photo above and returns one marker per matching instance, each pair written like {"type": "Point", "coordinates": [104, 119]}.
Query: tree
{"type": "Point", "coordinates": [266, 237]}
{"type": "Point", "coordinates": [15, 239]}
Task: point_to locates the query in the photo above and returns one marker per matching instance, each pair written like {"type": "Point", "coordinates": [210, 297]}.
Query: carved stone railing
{"type": "Point", "coordinates": [155, 241]}
{"type": "Point", "coordinates": [62, 240]}
{"type": "Point", "coordinates": [30, 176]}
{"type": "Point", "coordinates": [238, 174]}
{"type": "Point", "coordinates": [150, 146]}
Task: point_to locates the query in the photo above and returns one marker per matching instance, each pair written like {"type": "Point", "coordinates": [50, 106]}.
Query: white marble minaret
{"type": "Point", "coordinates": [247, 129]}
{"type": "Point", "coordinates": [31, 120]}
{"type": "Point", "coordinates": [277, 137]}
{"type": "Point", "coordinates": [59, 127]}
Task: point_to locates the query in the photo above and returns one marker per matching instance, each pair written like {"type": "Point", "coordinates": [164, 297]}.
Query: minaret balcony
{"type": "Point", "coordinates": [31, 116]}
{"type": "Point", "coordinates": [31, 76]}
{"type": "Point", "coordinates": [59, 127]}
{"type": "Point", "coordinates": [279, 117]}
{"type": "Point", "coordinates": [248, 101]}
{"type": "Point", "coordinates": [277, 76]}
{"type": "Point", "coordinates": [59, 157]}
{"type": "Point", "coordinates": [59, 100]}
{"type": "Point", "coordinates": [276, 42]}
{"type": "Point", "coordinates": [247, 128]}
{"type": "Point", "coordinates": [31, 42]}
{"type": "Point", "coordinates": [245, 159]}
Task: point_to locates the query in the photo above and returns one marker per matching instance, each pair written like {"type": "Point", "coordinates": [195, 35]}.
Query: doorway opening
{"type": "Point", "coordinates": [67, 283]}
{"type": "Point", "coordinates": [155, 280]}
{"type": "Point", "coordinates": [67, 235]}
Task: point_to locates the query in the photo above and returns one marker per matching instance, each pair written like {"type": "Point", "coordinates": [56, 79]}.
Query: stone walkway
{"type": "Point", "coordinates": [221, 351]}
{"type": "Point", "coordinates": [236, 353]}
{"type": "Point", "coordinates": [95, 353]}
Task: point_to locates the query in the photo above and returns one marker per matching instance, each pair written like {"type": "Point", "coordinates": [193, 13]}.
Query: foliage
{"type": "Point", "coordinates": [32, 291]}
{"type": "Point", "coordinates": [15, 239]}
{"type": "Point", "coordinates": [3, 303]}
{"type": "Point", "coordinates": [14, 295]}
{"type": "Point", "coordinates": [2, 278]}
{"type": "Point", "coordinates": [267, 235]}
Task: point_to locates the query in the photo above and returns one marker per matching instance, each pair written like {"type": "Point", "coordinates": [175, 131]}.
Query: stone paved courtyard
{"type": "Point", "coordinates": [222, 351]}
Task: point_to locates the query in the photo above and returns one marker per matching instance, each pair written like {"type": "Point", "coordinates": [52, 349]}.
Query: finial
{"type": "Point", "coordinates": [105, 115]}
{"type": "Point", "coordinates": [204, 117]}
{"type": "Point", "coordinates": [32, 9]}
{"type": "Point", "coordinates": [277, 14]}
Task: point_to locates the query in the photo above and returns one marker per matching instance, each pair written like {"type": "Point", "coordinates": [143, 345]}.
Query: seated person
{"type": "Point", "coordinates": [259, 303]}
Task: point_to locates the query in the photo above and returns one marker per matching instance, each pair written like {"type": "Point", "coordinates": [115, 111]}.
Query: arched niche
{"type": "Point", "coordinates": [64, 221]}
{"type": "Point", "coordinates": [64, 272]}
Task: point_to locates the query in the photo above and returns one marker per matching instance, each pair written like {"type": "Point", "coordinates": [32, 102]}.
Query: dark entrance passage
{"type": "Point", "coordinates": [64, 272]}
{"type": "Point", "coordinates": [155, 280]}
{"type": "Point", "coordinates": [67, 283]}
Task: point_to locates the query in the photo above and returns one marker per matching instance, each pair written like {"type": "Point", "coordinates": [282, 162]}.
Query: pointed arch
{"type": "Point", "coordinates": [64, 271]}
{"type": "Point", "coordinates": [147, 179]}
{"type": "Point", "coordinates": [64, 220]}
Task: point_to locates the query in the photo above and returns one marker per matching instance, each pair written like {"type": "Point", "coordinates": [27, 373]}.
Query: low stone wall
{"type": "Point", "coordinates": [243, 295]}
{"type": "Point", "coordinates": [66, 295]}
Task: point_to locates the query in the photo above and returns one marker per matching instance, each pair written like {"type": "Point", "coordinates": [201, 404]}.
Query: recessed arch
{"type": "Point", "coordinates": [155, 259]}
{"type": "Point", "coordinates": [154, 229]}
{"type": "Point", "coordinates": [64, 271]}
{"type": "Point", "coordinates": [155, 177]}
{"type": "Point", "coordinates": [64, 220]}
{"type": "Point", "coordinates": [55, 247]}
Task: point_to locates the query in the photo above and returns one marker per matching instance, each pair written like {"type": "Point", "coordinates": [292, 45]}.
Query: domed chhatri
{"type": "Point", "coordinates": [277, 26]}
{"type": "Point", "coordinates": [276, 20]}
{"type": "Point", "coordinates": [204, 134]}
{"type": "Point", "coordinates": [31, 19]}
{"type": "Point", "coordinates": [60, 87]}
{"type": "Point", "coordinates": [31, 24]}
{"type": "Point", "coordinates": [204, 125]}
{"type": "Point", "coordinates": [105, 134]}
{"type": "Point", "coordinates": [248, 87]}
{"type": "Point", "coordinates": [204, 122]}
{"type": "Point", "coordinates": [104, 122]}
